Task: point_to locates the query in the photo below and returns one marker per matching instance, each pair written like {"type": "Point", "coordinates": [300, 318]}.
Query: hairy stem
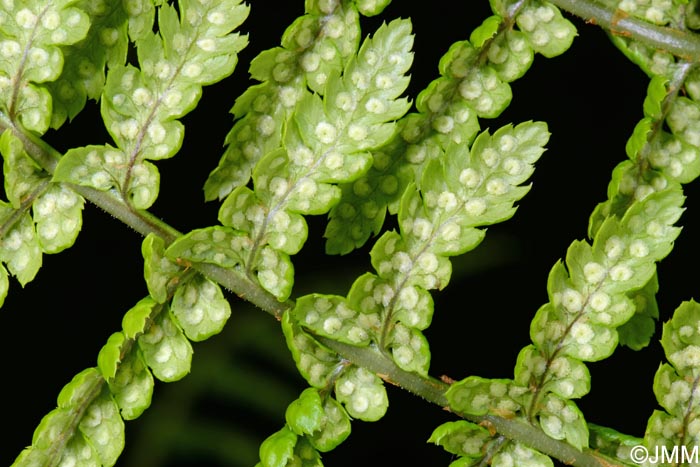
{"type": "Point", "coordinates": [680, 43]}
{"type": "Point", "coordinates": [434, 390]}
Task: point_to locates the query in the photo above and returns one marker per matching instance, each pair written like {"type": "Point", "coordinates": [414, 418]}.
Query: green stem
{"type": "Point", "coordinates": [680, 43]}
{"type": "Point", "coordinates": [434, 390]}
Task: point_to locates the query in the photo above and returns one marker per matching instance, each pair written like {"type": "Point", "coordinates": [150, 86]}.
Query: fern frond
{"type": "Point", "coordinates": [658, 159]}
{"type": "Point", "coordinates": [315, 47]}
{"type": "Point", "coordinates": [459, 193]}
{"type": "Point", "coordinates": [33, 45]}
{"type": "Point", "coordinates": [140, 107]}
{"type": "Point", "coordinates": [83, 74]}
{"type": "Point", "coordinates": [604, 285]}
{"type": "Point", "coordinates": [154, 342]}
{"type": "Point", "coordinates": [41, 216]}
{"type": "Point", "coordinates": [588, 300]}
{"type": "Point", "coordinates": [33, 35]}
{"type": "Point", "coordinates": [326, 142]}
{"type": "Point", "coordinates": [317, 420]}
{"type": "Point", "coordinates": [85, 429]}
{"type": "Point", "coordinates": [676, 384]}
{"type": "Point", "coordinates": [473, 84]}
{"type": "Point", "coordinates": [388, 311]}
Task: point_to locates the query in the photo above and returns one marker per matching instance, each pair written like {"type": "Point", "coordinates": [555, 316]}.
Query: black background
{"type": "Point", "coordinates": [591, 98]}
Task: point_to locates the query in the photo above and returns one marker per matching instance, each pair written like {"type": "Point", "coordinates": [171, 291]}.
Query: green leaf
{"type": "Point", "coordinates": [453, 64]}
{"type": "Point", "coordinates": [612, 443]}
{"type": "Point", "coordinates": [362, 393]}
{"type": "Point", "coordinates": [371, 7]}
{"type": "Point", "coordinates": [140, 106]}
{"type": "Point", "coordinates": [141, 16]}
{"type": "Point", "coordinates": [519, 454]}
{"type": "Point", "coordinates": [622, 259]}
{"type": "Point", "coordinates": [50, 430]}
{"type": "Point", "coordinates": [684, 121]}
{"type": "Point", "coordinates": [20, 249]}
{"type": "Point", "coordinates": [314, 362]}
{"type": "Point", "coordinates": [362, 207]}
{"type": "Point", "coordinates": [58, 217]}
{"type": "Point", "coordinates": [200, 308]}
{"type": "Point", "coordinates": [319, 43]}
{"type": "Point", "coordinates": [485, 31]}
{"type": "Point", "coordinates": [673, 392]}
{"type": "Point", "coordinates": [110, 355]}
{"type": "Point", "coordinates": [4, 284]}
{"type": "Point", "coordinates": [561, 419]}
{"type": "Point", "coordinates": [355, 115]}
{"type": "Point", "coordinates": [510, 55]}
{"type": "Point", "coordinates": [165, 349]}
{"type": "Point", "coordinates": [22, 176]}
{"type": "Point", "coordinates": [258, 132]}
{"type": "Point", "coordinates": [326, 142]}
{"type": "Point", "coordinates": [32, 55]}
{"type": "Point", "coordinates": [278, 449]}
{"type": "Point", "coordinates": [656, 93]}
{"type": "Point", "coordinates": [461, 438]}
{"type": "Point", "coordinates": [568, 378]}
{"type": "Point", "coordinates": [485, 92]}
{"type": "Point", "coordinates": [480, 396]}
{"type": "Point", "coordinates": [675, 157]}
{"type": "Point", "coordinates": [79, 451]}
{"type": "Point", "coordinates": [132, 386]}
{"type": "Point", "coordinates": [104, 168]}
{"type": "Point", "coordinates": [547, 30]}
{"type": "Point", "coordinates": [409, 348]}
{"type": "Point", "coordinates": [591, 296]}
{"type": "Point", "coordinates": [79, 389]}
{"type": "Point", "coordinates": [464, 191]}
{"type": "Point", "coordinates": [639, 137]}
{"type": "Point", "coordinates": [305, 415]}
{"type": "Point", "coordinates": [660, 14]}
{"type": "Point", "coordinates": [675, 385]}
{"type": "Point", "coordinates": [51, 439]}
{"type": "Point", "coordinates": [129, 97]}
{"type": "Point", "coordinates": [275, 272]}
{"type": "Point", "coordinates": [638, 331]}
{"type": "Point", "coordinates": [83, 74]}
{"type": "Point", "coordinates": [651, 60]}
{"type": "Point", "coordinates": [681, 341]}
{"type": "Point", "coordinates": [335, 427]}
{"type": "Point", "coordinates": [315, 47]}
{"type": "Point", "coordinates": [136, 320]}
{"type": "Point", "coordinates": [330, 316]}
{"type": "Point", "coordinates": [449, 109]}
{"type": "Point", "coordinates": [103, 428]}
{"type": "Point", "coordinates": [159, 271]}
{"type": "Point", "coordinates": [217, 245]}
{"type": "Point", "coordinates": [458, 194]}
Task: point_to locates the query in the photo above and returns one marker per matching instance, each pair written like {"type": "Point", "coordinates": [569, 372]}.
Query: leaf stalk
{"type": "Point", "coordinates": [683, 44]}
